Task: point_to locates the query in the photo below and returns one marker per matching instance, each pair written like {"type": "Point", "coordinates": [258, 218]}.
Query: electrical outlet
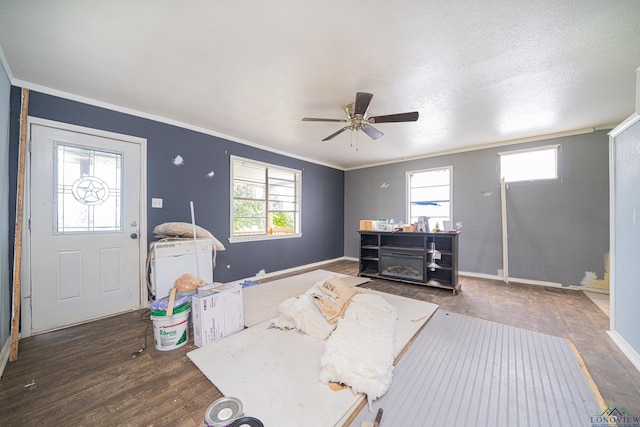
{"type": "Point", "coordinates": [156, 203]}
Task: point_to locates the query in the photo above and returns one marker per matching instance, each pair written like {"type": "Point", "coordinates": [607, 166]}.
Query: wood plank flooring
{"type": "Point", "coordinates": [85, 375]}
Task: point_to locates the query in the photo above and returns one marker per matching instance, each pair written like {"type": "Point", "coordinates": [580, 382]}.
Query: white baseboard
{"type": "Point", "coordinates": [4, 354]}
{"type": "Point", "coordinates": [289, 270]}
{"type": "Point", "coordinates": [525, 281]}
{"type": "Point", "coordinates": [628, 351]}
{"type": "Point", "coordinates": [461, 273]}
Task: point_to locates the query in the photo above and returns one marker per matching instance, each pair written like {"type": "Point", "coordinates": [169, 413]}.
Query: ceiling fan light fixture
{"type": "Point", "coordinates": [356, 117]}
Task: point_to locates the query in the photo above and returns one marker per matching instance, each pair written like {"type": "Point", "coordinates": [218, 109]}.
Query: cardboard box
{"type": "Point", "coordinates": [217, 314]}
{"type": "Point", "coordinates": [367, 224]}
{"type": "Point", "coordinates": [382, 225]}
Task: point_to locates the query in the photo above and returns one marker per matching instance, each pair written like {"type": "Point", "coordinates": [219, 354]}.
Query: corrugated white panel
{"type": "Point", "coordinates": [463, 371]}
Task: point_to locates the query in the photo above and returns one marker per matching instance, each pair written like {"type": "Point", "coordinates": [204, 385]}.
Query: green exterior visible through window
{"type": "Point", "coordinates": [265, 200]}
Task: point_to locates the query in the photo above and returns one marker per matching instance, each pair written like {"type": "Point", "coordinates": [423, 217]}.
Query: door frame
{"type": "Point", "coordinates": [632, 353]}
{"type": "Point", "coordinates": [27, 262]}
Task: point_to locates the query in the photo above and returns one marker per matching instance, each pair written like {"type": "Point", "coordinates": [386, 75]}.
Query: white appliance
{"type": "Point", "coordinates": [171, 259]}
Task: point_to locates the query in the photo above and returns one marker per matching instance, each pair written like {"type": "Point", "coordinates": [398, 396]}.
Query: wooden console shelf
{"type": "Point", "coordinates": [409, 257]}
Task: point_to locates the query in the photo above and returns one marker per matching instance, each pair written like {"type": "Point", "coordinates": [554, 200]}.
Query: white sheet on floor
{"type": "Point", "coordinates": [276, 373]}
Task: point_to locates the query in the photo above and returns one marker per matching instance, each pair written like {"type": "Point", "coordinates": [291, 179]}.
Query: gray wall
{"type": "Point", "coordinates": [322, 187]}
{"type": "Point", "coordinates": [6, 246]}
{"type": "Point", "coordinates": [626, 158]}
{"type": "Point", "coordinates": [558, 231]}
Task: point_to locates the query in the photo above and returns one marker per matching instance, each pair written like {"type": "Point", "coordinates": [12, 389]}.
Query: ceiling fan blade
{"type": "Point", "coordinates": [336, 133]}
{"type": "Point", "coordinates": [362, 103]}
{"type": "Point", "coordinates": [312, 119]}
{"type": "Point", "coordinates": [372, 132]}
{"type": "Point", "coordinates": [401, 117]}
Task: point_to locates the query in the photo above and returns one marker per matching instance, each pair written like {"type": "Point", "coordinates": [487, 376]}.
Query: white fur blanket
{"type": "Point", "coordinates": [360, 352]}
{"type": "Point", "coordinates": [303, 314]}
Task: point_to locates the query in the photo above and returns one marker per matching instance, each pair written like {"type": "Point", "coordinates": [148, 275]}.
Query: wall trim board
{"type": "Point", "coordinates": [624, 346]}
{"type": "Point", "coordinates": [628, 122]}
{"type": "Point", "coordinates": [523, 281]}
{"type": "Point", "coordinates": [5, 64]}
{"type": "Point", "coordinates": [4, 354]}
{"type": "Point", "coordinates": [461, 273]}
{"type": "Point", "coordinates": [491, 145]}
{"type": "Point", "coordinates": [90, 101]}
{"type": "Point", "coordinates": [259, 276]}
{"type": "Point", "coordinates": [132, 112]}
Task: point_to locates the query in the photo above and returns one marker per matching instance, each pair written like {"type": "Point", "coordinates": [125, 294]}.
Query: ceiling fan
{"type": "Point", "coordinates": [357, 120]}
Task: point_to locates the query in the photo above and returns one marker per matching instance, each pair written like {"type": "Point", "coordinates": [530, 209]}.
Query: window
{"type": "Point", "coordinates": [529, 165]}
{"type": "Point", "coordinates": [88, 194]}
{"type": "Point", "coordinates": [429, 194]}
{"type": "Point", "coordinates": [265, 201]}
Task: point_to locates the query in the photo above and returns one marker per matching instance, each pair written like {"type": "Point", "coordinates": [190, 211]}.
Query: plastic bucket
{"type": "Point", "coordinates": [188, 295]}
{"type": "Point", "coordinates": [171, 332]}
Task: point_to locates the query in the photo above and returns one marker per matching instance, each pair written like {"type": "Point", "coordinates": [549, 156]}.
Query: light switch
{"type": "Point", "coordinates": [156, 203]}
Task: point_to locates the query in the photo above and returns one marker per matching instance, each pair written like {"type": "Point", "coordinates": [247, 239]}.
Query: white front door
{"type": "Point", "coordinates": [85, 213]}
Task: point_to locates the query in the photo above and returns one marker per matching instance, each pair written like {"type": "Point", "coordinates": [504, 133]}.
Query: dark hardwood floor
{"type": "Point", "coordinates": [85, 375]}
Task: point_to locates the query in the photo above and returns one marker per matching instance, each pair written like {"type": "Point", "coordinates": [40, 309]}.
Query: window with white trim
{"type": "Point", "coordinates": [535, 164]}
{"type": "Point", "coordinates": [265, 200]}
{"type": "Point", "coordinates": [429, 194]}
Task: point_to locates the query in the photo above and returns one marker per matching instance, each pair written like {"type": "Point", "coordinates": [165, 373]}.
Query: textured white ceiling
{"type": "Point", "coordinates": [478, 72]}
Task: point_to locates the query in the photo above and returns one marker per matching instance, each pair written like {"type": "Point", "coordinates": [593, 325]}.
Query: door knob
{"type": "Point", "coordinates": [134, 235]}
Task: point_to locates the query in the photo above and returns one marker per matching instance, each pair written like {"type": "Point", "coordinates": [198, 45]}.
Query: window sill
{"type": "Point", "coordinates": [260, 237]}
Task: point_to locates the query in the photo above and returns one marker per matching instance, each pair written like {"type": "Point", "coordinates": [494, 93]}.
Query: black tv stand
{"type": "Point", "coordinates": [429, 259]}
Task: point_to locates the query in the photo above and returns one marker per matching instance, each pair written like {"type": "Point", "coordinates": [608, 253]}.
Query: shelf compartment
{"type": "Point", "coordinates": [369, 240]}
{"type": "Point", "coordinates": [439, 277]}
{"type": "Point", "coordinates": [369, 253]}
{"type": "Point", "coordinates": [403, 248]}
{"type": "Point", "coordinates": [439, 283]}
{"type": "Point", "coordinates": [439, 266]}
{"type": "Point", "coordinates": [403, 240]}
